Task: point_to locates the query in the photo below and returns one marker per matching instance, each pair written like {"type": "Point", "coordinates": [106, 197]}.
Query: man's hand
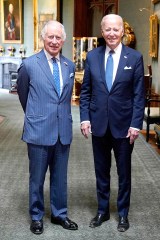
{"type": "Point", "coordinates": [86, 129]}
{"type": "Point", "coordinates": [132, 134]}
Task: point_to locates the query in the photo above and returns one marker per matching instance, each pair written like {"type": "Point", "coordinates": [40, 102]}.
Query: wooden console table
{"type": "Point", "coordinates": [157, 130]}
{"type": "Point", "coordinates": [77, 85]}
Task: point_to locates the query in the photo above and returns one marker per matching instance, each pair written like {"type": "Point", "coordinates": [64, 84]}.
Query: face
{"type": "Point", "coordinates": [11, 8]}
{"type": "Point", "coordinates": [112, 30]}
{"type": "Point", "coordinates": [53, 40]}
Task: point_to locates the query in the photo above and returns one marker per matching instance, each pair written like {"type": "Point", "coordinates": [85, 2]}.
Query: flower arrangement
{"type": "Point", "coordinates": [11, 50]}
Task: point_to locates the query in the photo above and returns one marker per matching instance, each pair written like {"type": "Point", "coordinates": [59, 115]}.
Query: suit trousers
{"type": "Point", "coordinates": [40, 159]}
{"type": "Point", "coordinates": [102, 151]}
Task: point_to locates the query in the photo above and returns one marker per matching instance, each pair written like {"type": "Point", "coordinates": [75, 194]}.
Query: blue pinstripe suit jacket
{"type": "Point", "coordinates": [46, 115]}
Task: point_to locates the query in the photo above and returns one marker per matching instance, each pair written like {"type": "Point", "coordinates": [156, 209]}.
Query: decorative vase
{"type": "Point", "coordinates": [11, 50]}
{"type": "Point", "coordinates": [1, 51]}
{"type": "Point", "coordinates": [22, 51]}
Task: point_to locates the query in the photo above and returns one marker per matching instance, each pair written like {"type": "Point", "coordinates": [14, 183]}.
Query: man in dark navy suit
{"type": "Point", "coordinates": [111, 109]}
{"type": "Point", "coordinates": [45, 84]}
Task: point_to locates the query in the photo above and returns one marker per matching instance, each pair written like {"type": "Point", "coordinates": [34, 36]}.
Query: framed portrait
{"type": "Point", "coordinates": [43, 12]}
{"type": "Point", "coordinates": [153, 36]}
{"type": "Point", "coordinates": [11, 21]}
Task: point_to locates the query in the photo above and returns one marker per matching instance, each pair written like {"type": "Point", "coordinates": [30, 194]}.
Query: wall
{"type": "Point", "coordinates": [28, 27]}
{"type": "Point", "coordinates": [139, 21]}
{"type": "Point", "coordinates": [67, 20]}
{"type": "Point", "coordinates": [68, 16]}
{"type": "Point", "coordinates": [129, 10]}
{"type": "Point", "coordinates": [156, 61]}
{"type": "Point", "coordinates": [28, 30]}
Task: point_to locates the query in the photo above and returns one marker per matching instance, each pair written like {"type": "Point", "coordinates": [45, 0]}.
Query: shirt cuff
{"type": "Point", "coordinates": [135, 128]}
{"type": "Point", "coordinates": [87, 121]}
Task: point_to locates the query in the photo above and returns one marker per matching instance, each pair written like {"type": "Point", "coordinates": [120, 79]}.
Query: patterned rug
{"type": "Point", "coordinates": [1, 119]}
{"type": "Point", "coordinates": [82, 206]}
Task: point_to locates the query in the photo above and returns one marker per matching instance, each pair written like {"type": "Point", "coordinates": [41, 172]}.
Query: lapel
{"type": "Point", "coordinates": [64, 70]}
{"type": "Point", "coordinates": [122, 63]}
{"type": "Point", "coordinates": [43, 63]}
{"type": "Point", "coordinates": [101, 58]}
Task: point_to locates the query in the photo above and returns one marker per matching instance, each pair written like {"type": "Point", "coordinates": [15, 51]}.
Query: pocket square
{"type": "Point", "coordinates": [66, 63]}
{"type": "Point", "coordinates": [71, 75]}
{"type": "Point", "coordinates": [126, 68]}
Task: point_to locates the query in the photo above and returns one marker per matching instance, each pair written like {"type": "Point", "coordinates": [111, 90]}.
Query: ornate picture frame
{"type": "Point", "coordinates": [153, 36]}
{"type": "Point", "coordinates": [11, 19]}
{"type": "Point", "coordinates": [50, 10]}
{"type": "Point", "coordinates": [155, 1]}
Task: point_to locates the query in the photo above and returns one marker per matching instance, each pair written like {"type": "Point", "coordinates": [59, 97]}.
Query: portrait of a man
{"type": "Point", "coordinates": [12, 20]}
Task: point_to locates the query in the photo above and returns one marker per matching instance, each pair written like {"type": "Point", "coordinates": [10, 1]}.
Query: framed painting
{"type": "Point", "coordinates": [153, 36]}
{"type": "Point", "coordinates": [11, 21]}
{"type": "Point", "coordinates": [43, 12]}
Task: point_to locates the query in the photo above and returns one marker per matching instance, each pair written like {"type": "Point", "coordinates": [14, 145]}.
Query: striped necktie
{"type": "Point", "coordinates": [56, 75]}
{"type": "Point", "coordinates": [109, 70]}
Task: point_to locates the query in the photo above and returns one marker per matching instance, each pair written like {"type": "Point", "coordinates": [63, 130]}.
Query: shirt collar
{"type": "Point", "coordinates": [49, 57]}
{"type": "Point", "coordinates": [116, 50]}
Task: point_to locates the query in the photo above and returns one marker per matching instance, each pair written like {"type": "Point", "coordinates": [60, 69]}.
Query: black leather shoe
{"type": "Point", "coordinates": [123, 224]}
{"type": "Point", "coordinates": [65, 223]}
{"type": "Point", "coordinates": [99, 219]}
{"type": "Point", "coordinates": [36, 227]}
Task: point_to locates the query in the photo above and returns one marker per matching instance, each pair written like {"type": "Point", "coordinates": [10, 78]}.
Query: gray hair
{"type": "Point", "coordinates": [112, 16]}
{"type": "Point", "coordinates": [53, 23]}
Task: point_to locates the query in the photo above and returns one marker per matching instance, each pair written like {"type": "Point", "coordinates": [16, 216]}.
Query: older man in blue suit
{"type": "Point", "coordinates": [111, 108]}
{"type": "Point", "coordinates": [44, 85]}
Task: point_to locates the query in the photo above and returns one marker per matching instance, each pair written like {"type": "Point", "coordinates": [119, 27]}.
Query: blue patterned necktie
{"type": "Point", "coordinates": [109, 70]}
{"type": "Point", "coordinates": [56, 75]}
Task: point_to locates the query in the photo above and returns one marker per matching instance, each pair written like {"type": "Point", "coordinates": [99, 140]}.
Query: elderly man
{"type": "Point", "coordinates": [111, 108]}
{"type": "Point", "coordinates": [45, 83]}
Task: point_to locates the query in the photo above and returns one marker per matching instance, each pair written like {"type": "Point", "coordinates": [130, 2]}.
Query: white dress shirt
{"type": "Point", "coordinates": [116, 57]}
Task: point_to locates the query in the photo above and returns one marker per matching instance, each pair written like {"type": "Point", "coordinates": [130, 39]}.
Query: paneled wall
{"type": "Point", "coordinates": [67, 20]}
{"type": "Point", "coordinates": [28, 29]}
{"type": "Point", "coordinates": [28, 24]}
{"type": "Point", "coordinates": [129, 10]}
{"type": "Point", "coordinates": [139, 21]}
{"type": "Point", "coordinates": [88, 15]}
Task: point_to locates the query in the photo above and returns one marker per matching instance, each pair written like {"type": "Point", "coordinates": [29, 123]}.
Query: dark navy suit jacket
{"type": "Point", "coordinates": [46, 115]}
{"type": "Point", "coordinates": [123, 106]}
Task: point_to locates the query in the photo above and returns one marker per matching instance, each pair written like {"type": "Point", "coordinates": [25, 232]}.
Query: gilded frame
{"type": "Point", "coordinates": [153, 36]}
{"type": "Point", "coordinates": [155, 1]}
{"type": "Point", "coordinates": [40, 18]}
{"type": "Point", "coordinates": [11, 19]}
